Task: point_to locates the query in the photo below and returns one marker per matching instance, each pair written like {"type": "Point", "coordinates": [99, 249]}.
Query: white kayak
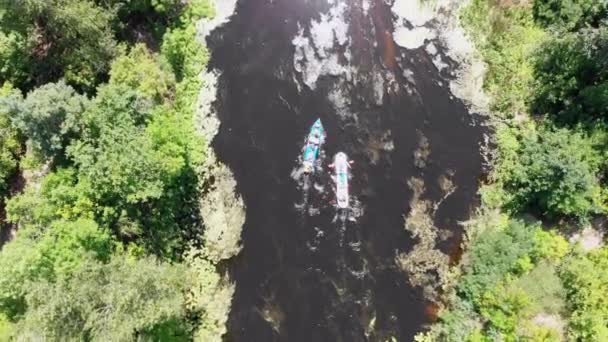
{"type": "Point", "coordinates": [341, 167]}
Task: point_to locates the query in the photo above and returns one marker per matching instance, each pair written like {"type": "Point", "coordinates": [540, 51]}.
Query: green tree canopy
{"type": "Point", "coordinates": [119, 301]}
{"type": "Point", "coordinates": [555, 173]}
{"type": "Point", "coordinates": [570, 14]}
{"type": "Point", "coordinates": [114, 154]}
{"type": "Point", "coordinates": [585, 277]}
{"type": "Point", "coordinates": [54, 252]}
{"type": "Point", "coordinates": [50, 116]}
{"type": "Point", "coordinates": [10, 144]}
{"type": "Point", "coordinates": [148, 73]}
{"type": "Point", "coordinates": [571, 72]}
{"type": "Point", "coordinates": [59, 38]}
{"type": "Point", "coordinates": [494, 254]}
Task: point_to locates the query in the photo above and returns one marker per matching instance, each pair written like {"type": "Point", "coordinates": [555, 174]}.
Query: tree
{"type": "Point", "coordinates": [585, 277]}
{"type": "Point", "coordinates": [13, 57]}
{"type": "Point", "coordinates": [140, 298]}
{"type": "Point", "coordinates": [144, 71]}
{"type": "Point", "coordinates": [114, 155]}
{"type": "Point", "coordinates": [555, 173]}
{"type": "Point", "coordinates": [571, 72]}
{"type": "Point", "coordinates": [493, 255]}
{"type": "Point", "coordinates": [56, 251]}
{"type": "Point", "coordinates": [59, 196]}
{"type": "Point", "coordinates": [50, 116]}
{"type": "Point", "coordinates": [62, 38]}
{"type": "Point", "coordinates": [569, 14]}
{"type": "Point", "coordinates": [10, 144]}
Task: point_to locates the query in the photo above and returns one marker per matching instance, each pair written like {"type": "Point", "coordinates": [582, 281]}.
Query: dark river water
{"type": "Point", "coordinates": [308, 272]}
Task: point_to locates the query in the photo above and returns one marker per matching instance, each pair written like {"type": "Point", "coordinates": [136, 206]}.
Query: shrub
{"type": "Point", "coordinates": [569, 14]}
{"type": "Point", "coordinates": [555, 173]}
{"type": "Point", "coordinates": [571, 77]}
{"type": "Point", "coordinates": [144, 71]}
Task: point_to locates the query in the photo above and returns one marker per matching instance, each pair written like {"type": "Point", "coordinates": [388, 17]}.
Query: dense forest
{"type": "Point", "coordinates": [101, 172]}
{"type": "Point", "coordinates": [525, 275]}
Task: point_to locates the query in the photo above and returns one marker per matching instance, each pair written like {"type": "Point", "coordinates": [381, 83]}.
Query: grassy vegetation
{"type": "Point", "coordinates": [547, 77]}
{"type": "Point", "coordinates": [106, 244]}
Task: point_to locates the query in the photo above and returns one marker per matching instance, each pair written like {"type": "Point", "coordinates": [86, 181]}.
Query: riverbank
{"type": "Point", "coordinates": [495, 293]}
{"type": "Point", "coordinates": [221, 207]}
{"type": "Point", "coordinates": [436, 27]}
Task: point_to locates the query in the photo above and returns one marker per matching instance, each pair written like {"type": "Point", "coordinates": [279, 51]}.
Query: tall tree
{"type": "Point", "coordinates": [555, 173]}
{"type": "Point", "coordinates": [59, 38]}
{"type": "Point", "coordinates": [119, 301]}
{"type": "Point", "coordinates": [50, 116]}
{"type": "Point", "coordinates": [10, 144]}
{"type": "Point", "coordinates": [571, 72]}
{"type": "Point", "coordinates": [570, 14]}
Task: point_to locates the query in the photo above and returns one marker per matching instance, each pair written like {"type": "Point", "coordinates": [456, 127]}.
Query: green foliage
{"type": "Point", "coordinates": [50, 116]}
{"type": "Point", "coordinates": [499, 292]}
{"type": "Point", "coordinates": [144, 71]}
{"type": "Point", "coordinates": [208, 298]}
{"type": "Point", "coordinates": [571, 72]}
{"type": "Point", "coordinates": [10, 145]}
{"type": "Point", "coordinates": [555, 173]}
{"type": "Point", "coordinates": [548, 298]}
{"type": "Point", "coordinates": [142, 6]}
{"type": "Point", "coordinates": [137, 167]}
{"type": "Point", "coordinates": [153, 16]}
{"type": "Point", "coordinates": [140, 298]}
{"type": "Point", "coordinates": [585, 277]}
{"type": "Point", "coordinates": [114, 155]}
{"type": "Point", "coordinates": [506, 37]}
{"type": "Point", "coordinates": [503, 310]}
{"type": "Point", "coordinates": [57, 251]}
{"type": "Point", "coordinates": [494, 254]}
{"type": "Point", "coordinates": [569, 14]}
{"type": "Point", "coordinates": [457, 324]}
{"type": "Point", "coordinates": [60, 197]}
{"type": "Point", "coordinates": [549, 245]}
{"type": "Point", "coordinates": [181, 48]}
{"type": "Point", "coordinates": [185, 54]}
{"type": "Point", "coordinates": [547, 57]}
{"type": "Point", "coordinates": [70, 39]}
{"type": "Point", "coordinates": [6, 329]}
{"type": "Point", "coordinates": [124, 178]}
{"type": "Point", "coordinates": [13, 57]}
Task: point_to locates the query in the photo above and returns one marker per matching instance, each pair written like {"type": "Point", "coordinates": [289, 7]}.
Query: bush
{"type": "Point", "coordinates": [494, 254]}
{"type": "Point", "coordinates": [506, 37]}
{"type": "Point", "coordinates": [555, 173]}
{"type": "Point", "coordinates": [141, 299]}
{"type": "Point", "coordinates": [144, 71]}
{"type": "Point", "coordinates": [570, 14]}
{"type": "Point", "coordinates": [74, 41]}
{"type": "Point", "coordinates": [10, 144]}
{"type": "Point", "coordinates": [571, 73]}
{"type": "Point", "coordinates": [585, 277]}
{"type": "Point", "coordinates": [36, 255]}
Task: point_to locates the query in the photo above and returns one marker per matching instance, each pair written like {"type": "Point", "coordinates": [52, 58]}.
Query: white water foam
{"type": "Point", "coordinates": [437, 22]}
{"type": "Point", "coordinates": [315, 55]}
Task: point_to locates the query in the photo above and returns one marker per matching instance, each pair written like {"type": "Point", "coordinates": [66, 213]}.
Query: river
{"type": "Point", "coordinates": [306, 271]}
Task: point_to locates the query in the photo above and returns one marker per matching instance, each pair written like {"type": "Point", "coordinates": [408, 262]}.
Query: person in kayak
{"type": "Point", "coordinates": [315, 139]}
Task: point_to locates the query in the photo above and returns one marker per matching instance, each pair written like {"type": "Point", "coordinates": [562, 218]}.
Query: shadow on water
{"type": "Point", "coordinates": [305, 274]}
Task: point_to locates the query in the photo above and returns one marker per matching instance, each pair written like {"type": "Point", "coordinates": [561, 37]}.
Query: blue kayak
{"type": "Point", "coordinates": [314, 141]}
